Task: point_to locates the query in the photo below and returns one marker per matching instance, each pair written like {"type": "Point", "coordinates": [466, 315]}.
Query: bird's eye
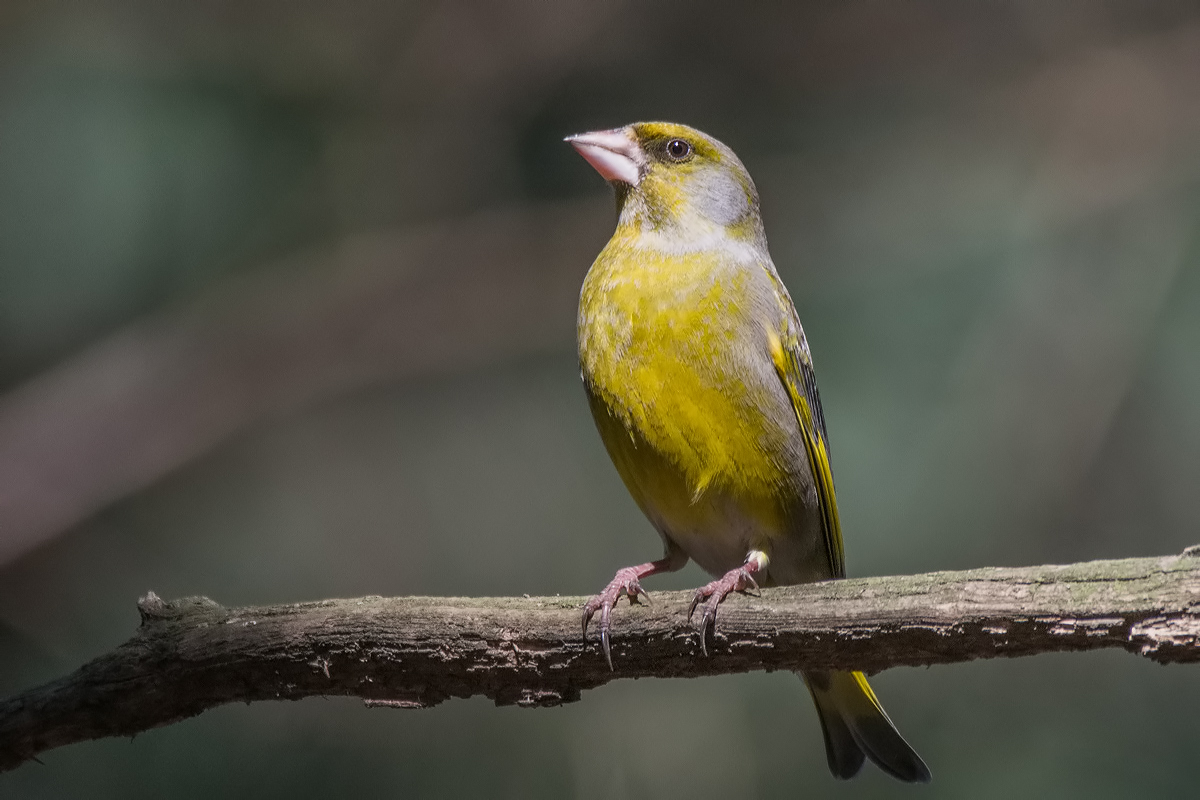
{"type": "Point", "coordinates": [678, 149]}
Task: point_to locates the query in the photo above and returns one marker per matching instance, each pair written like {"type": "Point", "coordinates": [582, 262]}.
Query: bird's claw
{"type": "Point", "coordinates": [736, 580]}
{"type": "Point", "coordinates": [625, 584]}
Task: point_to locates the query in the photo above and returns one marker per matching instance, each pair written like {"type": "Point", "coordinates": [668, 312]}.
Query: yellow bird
{"type": "Point", "coordinates": [702, 387]}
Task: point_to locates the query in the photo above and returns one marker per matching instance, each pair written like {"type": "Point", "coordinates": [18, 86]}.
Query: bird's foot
{"type": "Point", "coordinates": [626, 583]}
{"type": "Point", "coordinates": [736, 580]}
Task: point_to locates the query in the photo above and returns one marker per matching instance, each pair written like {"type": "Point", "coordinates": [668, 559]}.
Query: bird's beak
{"type": "Point", "coordinates": [615, 154]}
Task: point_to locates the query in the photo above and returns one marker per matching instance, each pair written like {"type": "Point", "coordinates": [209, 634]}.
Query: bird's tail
{"type": "Point", "coordinates": [856, 726]}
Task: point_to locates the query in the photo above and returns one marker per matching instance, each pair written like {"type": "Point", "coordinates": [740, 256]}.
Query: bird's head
{"type": "Point", "coordinates": [674, 181]}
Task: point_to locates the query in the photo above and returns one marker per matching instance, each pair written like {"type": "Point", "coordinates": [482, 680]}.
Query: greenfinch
{"type": "Point", "coordinates": [701, 384]}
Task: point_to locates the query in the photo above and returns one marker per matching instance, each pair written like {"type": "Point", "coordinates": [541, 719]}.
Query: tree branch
{"type": "Point", "coordinates": [412, 652]}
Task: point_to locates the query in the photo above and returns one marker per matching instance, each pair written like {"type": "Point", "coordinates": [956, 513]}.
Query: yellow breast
{"type": "Point", "coordinates": [674, 354]}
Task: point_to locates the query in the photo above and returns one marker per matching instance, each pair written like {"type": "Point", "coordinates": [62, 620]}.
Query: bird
{"type": "Point", "coordinates": [701, 384]}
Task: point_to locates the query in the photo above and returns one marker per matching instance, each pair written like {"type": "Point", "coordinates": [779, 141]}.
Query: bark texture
{"type": "Point", "coordinates": [412, 652]}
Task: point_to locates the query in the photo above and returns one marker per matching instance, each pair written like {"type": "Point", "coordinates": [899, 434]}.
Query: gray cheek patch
{"type": "Point", "coordinates": [718, 196]}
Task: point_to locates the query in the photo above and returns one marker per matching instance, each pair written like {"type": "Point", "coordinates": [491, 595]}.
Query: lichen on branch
{"type": "Point", "coordinates": [410, 652]}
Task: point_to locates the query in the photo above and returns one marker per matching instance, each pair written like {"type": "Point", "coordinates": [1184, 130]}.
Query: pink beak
{"type": "Point", "coordinates": [615, 154]}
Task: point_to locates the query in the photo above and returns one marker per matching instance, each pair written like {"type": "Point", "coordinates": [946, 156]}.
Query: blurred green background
{"type": "Point", "coordinates": [286, 312]}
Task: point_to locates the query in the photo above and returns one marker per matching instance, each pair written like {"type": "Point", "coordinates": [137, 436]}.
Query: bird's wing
{"type": "Point", "coordinates": [793, 364]}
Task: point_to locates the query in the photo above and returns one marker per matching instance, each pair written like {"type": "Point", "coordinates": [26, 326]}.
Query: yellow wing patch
{"type": "Point", "coordinates": [794, 367]}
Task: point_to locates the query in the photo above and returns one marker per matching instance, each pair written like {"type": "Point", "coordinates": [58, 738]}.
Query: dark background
{"type": "Point", "coordinates": [286, 312]}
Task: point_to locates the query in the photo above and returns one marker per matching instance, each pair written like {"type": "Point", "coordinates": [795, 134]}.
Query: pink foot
{"type": "Point", "coordinates": [625, 583]}
{"type": "Point", "coordinates": [736, 580]}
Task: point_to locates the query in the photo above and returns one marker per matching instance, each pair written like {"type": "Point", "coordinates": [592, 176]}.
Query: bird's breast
{"type": "Point", "coordinates": [673, 354]}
